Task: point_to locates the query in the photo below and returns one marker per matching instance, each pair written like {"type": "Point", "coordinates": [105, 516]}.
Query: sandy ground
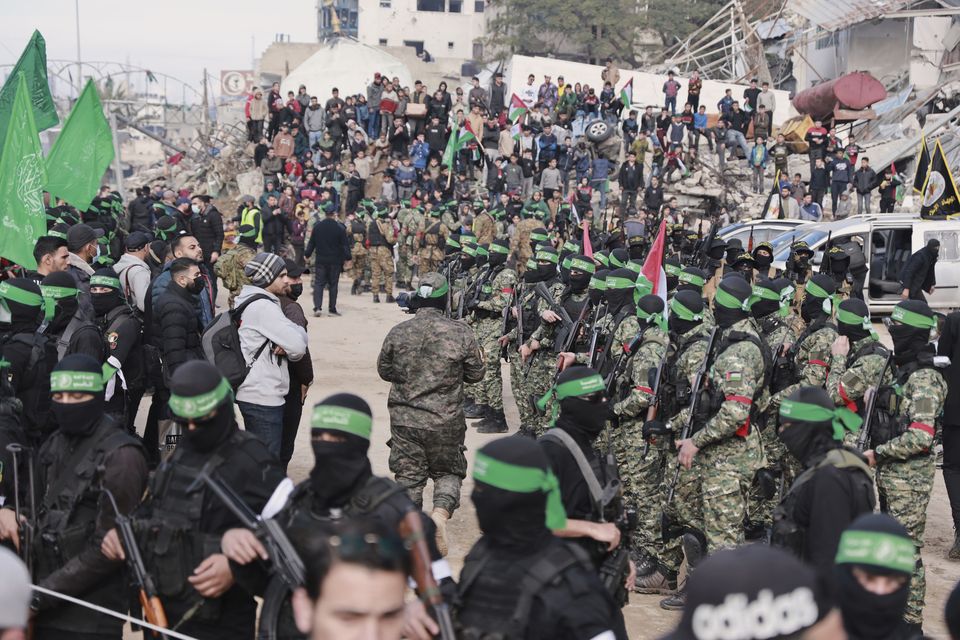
{"type": "Point", "coordinates": [344, 351]}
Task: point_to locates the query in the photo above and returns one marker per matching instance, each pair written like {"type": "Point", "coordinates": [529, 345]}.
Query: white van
{"type": "Point", "coordinates": [886, 240]}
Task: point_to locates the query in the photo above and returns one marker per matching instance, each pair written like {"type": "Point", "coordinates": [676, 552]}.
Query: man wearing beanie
{"type": "Point", "coordinates": [82, 245]}
{"type": "Point", "coordinates": [836, 485]}
{"type": "Point", "coordinates": [268, 341]}
{"type": "Point", "coordinates": [904, 455]}
{"type": "Point", "coordinates": [65, 322]}
{"type": "Point", "coordinates": [72, 516]}
{"type": "Point", "coordinates": [728, 448]}
{"type": "Point", "coordinates": [341, 485]}
{"type": "Point", "coordinates": [518, 504]}
{"type": "Point", "coordinates": [872, 573]}
{"type": "Point", "coordinates": [427, 360]}
{"type": "Point", "coordinates": [179, 526]}
{"type": "Point", "coordinates": [230, 267]}
{"type": "Point", "coordinates": [757, 593]}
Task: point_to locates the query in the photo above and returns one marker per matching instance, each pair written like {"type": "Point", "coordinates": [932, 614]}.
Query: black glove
{"type": "Point", "coordinates": [654, 428]}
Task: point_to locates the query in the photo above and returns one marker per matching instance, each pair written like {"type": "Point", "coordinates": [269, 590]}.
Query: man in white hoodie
{"type": "Point", "coordinates": [268, 339]}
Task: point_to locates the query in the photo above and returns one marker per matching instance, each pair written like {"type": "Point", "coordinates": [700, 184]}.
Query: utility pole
{"type": "Point", "coordinates": [117, 166]}
{"type": "Point", "coordinates": [76, 4]}
{"type": "Point", "coordinates": [203, 114]}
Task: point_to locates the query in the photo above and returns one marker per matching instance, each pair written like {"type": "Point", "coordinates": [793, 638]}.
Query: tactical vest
{"type": "Point", "coordinates": [35, 400]}
{"type": "Point", "coordinates": [717, 397]}
{"type": "Point", "coordinates": [676, 393]}
{"type": "Point", "coordinates": [889, 423]}
{"type": "Point", "coordinates": [431, 237]}
{"type": "Point", "coordinates": [377, 238]}
{"type": "Point", "coordinates": [788, 369]}
{"type": "Point", "coordinates": [359, 234]}
{"type": "Point", "coordinates": [249, 216]}
{"type": "Point", "coordinates": [114, 318]}
{"type": "Point", "coordinates": [495, 597]}
{"type": "Point", "coordinates": [790, 535]}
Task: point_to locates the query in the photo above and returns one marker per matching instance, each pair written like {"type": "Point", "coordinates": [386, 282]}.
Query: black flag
{"type": "Point", "coordinates": [939, 198]}
{"type": "Point", "coordinates": [923, 166]}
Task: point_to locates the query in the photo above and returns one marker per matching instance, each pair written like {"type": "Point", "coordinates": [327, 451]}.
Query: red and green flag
{"type": "Point", "coordinates": [458, 140]}
{"type": "Point", "coordinates": [626, 94]}
{"type": "Point", "coordinates": [517, 108]}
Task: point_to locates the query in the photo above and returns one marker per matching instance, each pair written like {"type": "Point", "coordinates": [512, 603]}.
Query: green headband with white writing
{"type": "Point", "coordinates": [602, 258]}
{"type": "Point", "coordinates": [672, 269]}
{"type": "Point", "coordinates": [912, 318]}
{"type": "Point", "coordinates": [539, 237]}
{"type": "Point", "coordinates": [877, 549]}
{"type": "Point", "coordinates": [191, 407]}
{"type": "Point", "coordinates": [22, 296]}
{"type": "Point", "coordinates": [76, 382]}
{"type": "Point", "coordinates": [520, 479]}
{"type": "Point", "coordinates": [337, 418]}
{"type": "Point", "coordinates": [677, 309]}
{"type": "Point", "coordinates": [598, 282]}
{"type": "Point", "coordinates": [547, 256]}
{"type": "Point", "coordinates": [570, 389]}
{"type": "Point", "coordinates": [691, 278]}
{"type": "Point", "coordinates": [841, 419]}
{"type": "Point", "coordinates": [730, 301]}
{"type": "Point", "coordinates": [105, 281]}
{"type": "Point", "coordinates": [616, 282]}
{"type": "Point", "coordinates": [579, 264]}
{"type": "Point", "coordinates": [498, 248]}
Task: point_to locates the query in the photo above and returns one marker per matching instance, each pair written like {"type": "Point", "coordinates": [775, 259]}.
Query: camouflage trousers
{"type": "Point", "coordinates": [727, 471]}
{"type": "Point", "coordinates": [683, 511]}
{"type": "Point", "coordinates": [543, 367]}
{"type": "Point", "coordinates": [404, 264]}
{"type": "Point", "coordinates": [904, 489]}
{"type": "Point", "coordinates": [641, 477]}
{"type": "Point", "coordinates": [381, 260]}
{"type": "Point", "coordinates": [491, 387]}
{"type": "Point", "coordinates": [429, 260]}
{"type": "Point", "coordinates": [358, 264]}
{"type": "Point", "coordinates": [418, 455]}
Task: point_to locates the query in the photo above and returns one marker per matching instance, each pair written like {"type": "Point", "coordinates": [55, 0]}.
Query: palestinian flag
{"type": "Point", "coordinates": [923, 166]}
{"type": "Point", "coordinates": [458, 140]}
{"type": "Point", "coordinates": [940, 198]}
{"type": "Point", "coordinates": [515, 130]}
{"type": "Point", "coordinates": [517, 108]}
{"type": "Point", "coordinates": [626, 94]}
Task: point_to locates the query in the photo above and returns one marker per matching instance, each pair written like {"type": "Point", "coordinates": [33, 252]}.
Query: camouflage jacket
{"type": "Point", "coordinates": [813, 356]}
{"type": "Point", "coordinates": [484, 228]}
{"type": "Point", "coordinates": [427, 359]}
{"type": "Point", "coordinates": [496, 295]}
{"type": "Point", "coordinates": [691, 350]}
{"type": "Point", "coordinates": [230, 267]}
{"type": "Point", "coordinates": [646, 358]}
{"type": "Point", "coordinates": [921, 403]}
{"type": "Point", "coordinates": [847, 383]}
{"type": "Point", "coordinates": [623, 335]}
{"type": "Point", "coordinates": [547, 330]}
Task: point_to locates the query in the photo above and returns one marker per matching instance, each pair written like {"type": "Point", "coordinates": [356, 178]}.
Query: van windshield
{"type": "Point", "coordinates": [781, 244]}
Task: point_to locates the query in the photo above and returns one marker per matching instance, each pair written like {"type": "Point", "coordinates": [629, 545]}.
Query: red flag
{"type": "Point", "coordinates": [587, 247]}
{"type": "Point", "coordinates": [653, 265]}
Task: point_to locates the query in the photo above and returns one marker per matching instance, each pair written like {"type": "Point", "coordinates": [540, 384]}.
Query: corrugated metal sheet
{"type": "Point", "coordinates": [832, 15]}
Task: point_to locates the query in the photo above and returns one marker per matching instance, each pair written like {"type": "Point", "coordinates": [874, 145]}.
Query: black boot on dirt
{"type": "Point", "coordinates": [474, 411]}
{"type": "Point", "coordinates": [390, 298]}
{"type": "Point", "coordinates": [954, 553]}
{"type": "Point", "coordinates": [376, 298]}
{"type": "Point", "coordinates": [355, 289]}
{"type": "Point", "coordinates": [677, 601]}
{"type": "Point", "coordinates": [660, 582]}
{"type": "Point", "coordinates": [495, 422]}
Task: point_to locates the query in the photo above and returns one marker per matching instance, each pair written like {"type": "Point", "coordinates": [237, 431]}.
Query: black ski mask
{"type": "Point", "coordinates": [806, 441]}
{"type": "Point", "coordinates": [77, 373]}
{"type": "Point", "coordinates": [728, 303]}
{"type": "Point", "coordinates": [763, 256]}
{"type": "Point", "coordinates": [853, 332]}
{"type": "Point", "coordinates": [340, 441]}
{"type": "Point", "coordinates": [581, 271]}
{"type": "Point", "coordinates": [66, 307]}
{"type": "Point", "coordinates": [199, 394]}
{"type": "Point", "coordinates": [618, 298]}
{"type": "Point", "coordinates": [910, 341]}
{"type": "Point", "coordinates": [812, 307]}
{"type": "Point", "coordinates": [596, 293]}
{"type": "Point", "coordinates": [692, 302]}
{"type": "Point", "coordinates": [22, 307]}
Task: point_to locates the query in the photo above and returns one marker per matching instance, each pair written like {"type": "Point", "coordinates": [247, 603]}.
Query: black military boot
{"type": "Point", "coordinates": [474, 411]}
{"type": "Point", "coordinates": [390, 298]}
{"type": "Point", "coordinates": [376, 297]}
{"type": "Point", "coordinates": [677, 601]}
{"type": "Point", "coordinates": [659, 581]}
{"type": "Point", "coordinates": [954, 553]}
{"type": "Point", "coordinates": [355, 289]}
{"type": "Point", "coordinates": [495, 422]}
{"type": "Point", "coordinates": [527, 432]}
{"type": "Point", "coordinates": [645, 564]}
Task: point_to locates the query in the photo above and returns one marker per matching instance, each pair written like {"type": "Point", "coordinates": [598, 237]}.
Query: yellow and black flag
{"type": "Point", "coordinates": [940, 198]}
{"type": "Point", "coordinates": [923, 166]}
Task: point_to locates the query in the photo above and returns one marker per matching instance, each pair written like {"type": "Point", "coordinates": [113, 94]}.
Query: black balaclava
{"type": "Point", "coordinates": [764, 306]}
{"type": "Point", "coordinates": [22, 298]}
{"type": "Point", "coordinates": [619, 297]}
{"type": "Point", "coordinates": [763, 256]}
{"type": "Point", "coordinates": [547, 259]}
{"type": "Point", "coordinates": [650, 311]}
{"type": "Point", "coordinates": [619, 258]}
{"type": "Point", "coordinates": [199, 394]}
{"type": "Point", "coordinates": [672, 267]}
{"type": "Point", "coordinates": [467, 260]}
{"type": "Point", "coordinates": [744, 264]}
{"type": "Point", "coordinates": [679, 321]}
{"type": "Point", "coordinates": [910, 330]}
{"type": "Point", "coordinates": [498, 254]}
{"type": "Point", "coordinates": [581, 271]}
{"type": "Point", "coordinates": [878, 544]}
{"type": "Point", "coordinates": [595, 291]}
{"type": "Point", "coordinates": [511, 519]}
{"type": "Point", "coordinates": [933, 248]}
{"type": "Point", "coordinates": [340, 468]}
{"type": "Point", "coordinates": [807, 440]}
{"type": "Point", "coordinates": [812, 307]}
{"type": "Point", "coordinates": [692, 279]}
{"type": "Point", "coordinates": [854, 332]}
{"type": "Point", "coordinates": [103, 303]}
{"type": "Point", "coordinates": [733, 250]}
{"type": "Point", "coordinates": [731, 303]}
{"type": "Point", "coordinates": [77, 373]}
{"type": "Point", "coordinates": [839, 264]}
{"type": "Point", "coordinates": [583, 416]}
{"type": "Point", "coordinates": [66, 307]}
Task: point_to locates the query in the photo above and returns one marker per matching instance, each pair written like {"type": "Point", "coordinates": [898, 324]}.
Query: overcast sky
{"type": "Point", "coordinates": [176, 37]}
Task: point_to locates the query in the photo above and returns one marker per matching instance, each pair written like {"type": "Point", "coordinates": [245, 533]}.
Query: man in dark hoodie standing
{"type": "Point", "coordinates": [301, 371]}
{"type": "Point", "coordinates": [919, 273]}
{"type": "Point", "coordinates": [331, 249]}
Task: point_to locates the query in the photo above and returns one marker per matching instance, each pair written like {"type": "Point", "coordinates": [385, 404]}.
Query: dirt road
{"type": "Point", "coordinates": [344, 351]}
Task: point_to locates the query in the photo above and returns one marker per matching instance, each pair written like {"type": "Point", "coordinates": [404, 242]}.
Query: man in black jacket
{"type": "Point", "coordinates": [631, 180]}
{"type": "Point", "coordinates": [140, 211]}
{"type": "Point", "coordinates": [208, 230]}
{"type": "Point", "coordinates": [177, 313]}
{"type": "Point", "coordinates": [949, 345]}
{"type": "Point", "coordinates": [918, 275]}
{"type": "Point", "coordinates": [331, 249]}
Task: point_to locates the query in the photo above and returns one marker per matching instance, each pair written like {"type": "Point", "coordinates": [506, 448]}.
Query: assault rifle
{"type": "Point", "coordinates": [656, 385]}
{"type": "Point", "coordinates": [706, 244]}
{"type": "Point", "coordinates": [472, 291]}
{"type": "Point", "coordinates": [620, 365]}
{"type": "Point", "coordinates": [286, 561]}
{"type": "Point", "coordinates": [863, 438]}
{"type": "Point", "coordinates": [598, 312]}
{"type": "Point", "coordinates": [28, 525]}
{"type": "Point", "coordinates": [149, 597]}
{"type": "Point", "coordinates": [505, 322]}
{"type": "Point", "coordinates": [411, 530]}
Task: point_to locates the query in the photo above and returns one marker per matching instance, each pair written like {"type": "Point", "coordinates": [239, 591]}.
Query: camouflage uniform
{"type": "Point", "coordinates": [230, 269]}
{"type": "Point", "coordinates": [812, 360]}
{"type": "Point", "coordinates": [359, 256]}
{"type": "Point", "coordinates": [906, 467]}
{"type": "Point", "coordinates": [851, 375]}
{"type": "Point", "coordinates": [495, 297]}
{"type": "Point", "coordinates": [730, 451]}
{"type": "Point", "coordinates": [484, 227]}
{"type": "Point", "coordinates": [433, 237]}
{"type": "Point", "coordinates": [642, 476]}
{"type": "Point", "coordinates": [520, 371]}
{"type": "Point", "coordinates": [409, 220]}
{"type": "Point", "coordinates": [427, 359]}
{"type": "Point", "coordinates": [520, 247]}
{"type": "Point", "coordinates": [382, 237]}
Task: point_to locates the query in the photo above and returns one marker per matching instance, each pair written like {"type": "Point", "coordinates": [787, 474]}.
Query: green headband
{"type": "Point", "coordinates": [730, 301]}
{"type": "Point", "coordinates": [567, 262]}
{"type": "Point", "coordinates": [602, 258]}
{"type": "Point", "coordinates": [452, 243]}
{"type": "Point", "coordinates": [912, 318]}
{"type": "Point", "coordinates": [570, 246]}
{"type": "Point", "coordinates": [786, 297]}
{"type": "Point", "coordinates": [877, 549]}
{"type": "Point", "coordinates": [539, 237]}
{"type": "Point", "coordinates": [481, 251]}
{"type": "Point", "coordinates": [16, 294]}
{"type": "Point", "coordinates": [816, 290]}
{"type": "Point", "coordinates": [57, 234]}
{"type": "Point", "coordinates": [763, 293]}
{"type": "Point", "coordinates": [105, 281]}
{"type": "Point", "coordinates": [672, 269]}
{"type": "Point", "coordinates": [436, 293]}
{"type": "Point", "coordinates": [656, 318]}
{"type": "Point", "coordinates": [617, 282]}
{"type": "Point", "coordinates": [76, 381]}
{"type": "Point", "coordinates": [531, 264]}
{"type": "Point", "coordinates": [469, 250]}
{"type": "Point", "coordinates": [636, 267]}
{"type": "Point", "coordinates": [616, 262]}
{"type": "Point", "coordinates": [337, 418]}
{"type": "Point", "coordinates": [570, 389]}
{"type": "Point", "coordinates": [547, 256]}
{"type": "Point", "coordinates": [190, 407]}
{"type": "Point", "coordinates": [498, 248]}
{"type": "Point", "coordinates": [252, 233]}
{"type": "Point", "coordinates": [691, 278]}
{"type": "Point", "coordinates": [680, 311]}
{"type": "Point", "coordinates": [840, 418]}
{"type": "Point", "coordinates": [643, 287]}
{"type": "Point", "coordinates": [578, 264]}
{"type": "Point", "coordinates": [518, 479]}
{"type": "Point", "coordinates": [598, 283]}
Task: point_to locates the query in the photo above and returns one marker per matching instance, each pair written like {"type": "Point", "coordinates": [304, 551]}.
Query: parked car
{"type": "Point", "coordinates": [763, 230]}
{"type": "Point", "coordinates": [882, 243]}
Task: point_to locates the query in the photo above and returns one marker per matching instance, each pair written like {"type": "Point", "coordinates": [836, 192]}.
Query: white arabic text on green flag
{"type": "Point", "coordinates": [81, 153]}
{"type": "Point", "coordinates": [32, 64]}
{"type": "Point", "coordinates": [22, 179]}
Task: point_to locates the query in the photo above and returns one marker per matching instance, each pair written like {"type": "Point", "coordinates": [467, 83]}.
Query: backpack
{"type": "Point", "coordinates": [221, 344]}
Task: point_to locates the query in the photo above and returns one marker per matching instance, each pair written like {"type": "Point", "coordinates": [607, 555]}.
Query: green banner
{"type": "Point", "coordinates": [22, 180]}
{"type": "Point", "coordinates": [82, 152]}
{"type": "Point", "coordinates": [33, 66]}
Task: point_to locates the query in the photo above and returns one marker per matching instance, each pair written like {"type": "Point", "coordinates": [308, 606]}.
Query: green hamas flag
{"type": "Point", "coordinates": [22, 178]}
{"type": "Point", "coordinates": [33, 65]}
{"type": "Point", "coordinates": [82, 152]}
